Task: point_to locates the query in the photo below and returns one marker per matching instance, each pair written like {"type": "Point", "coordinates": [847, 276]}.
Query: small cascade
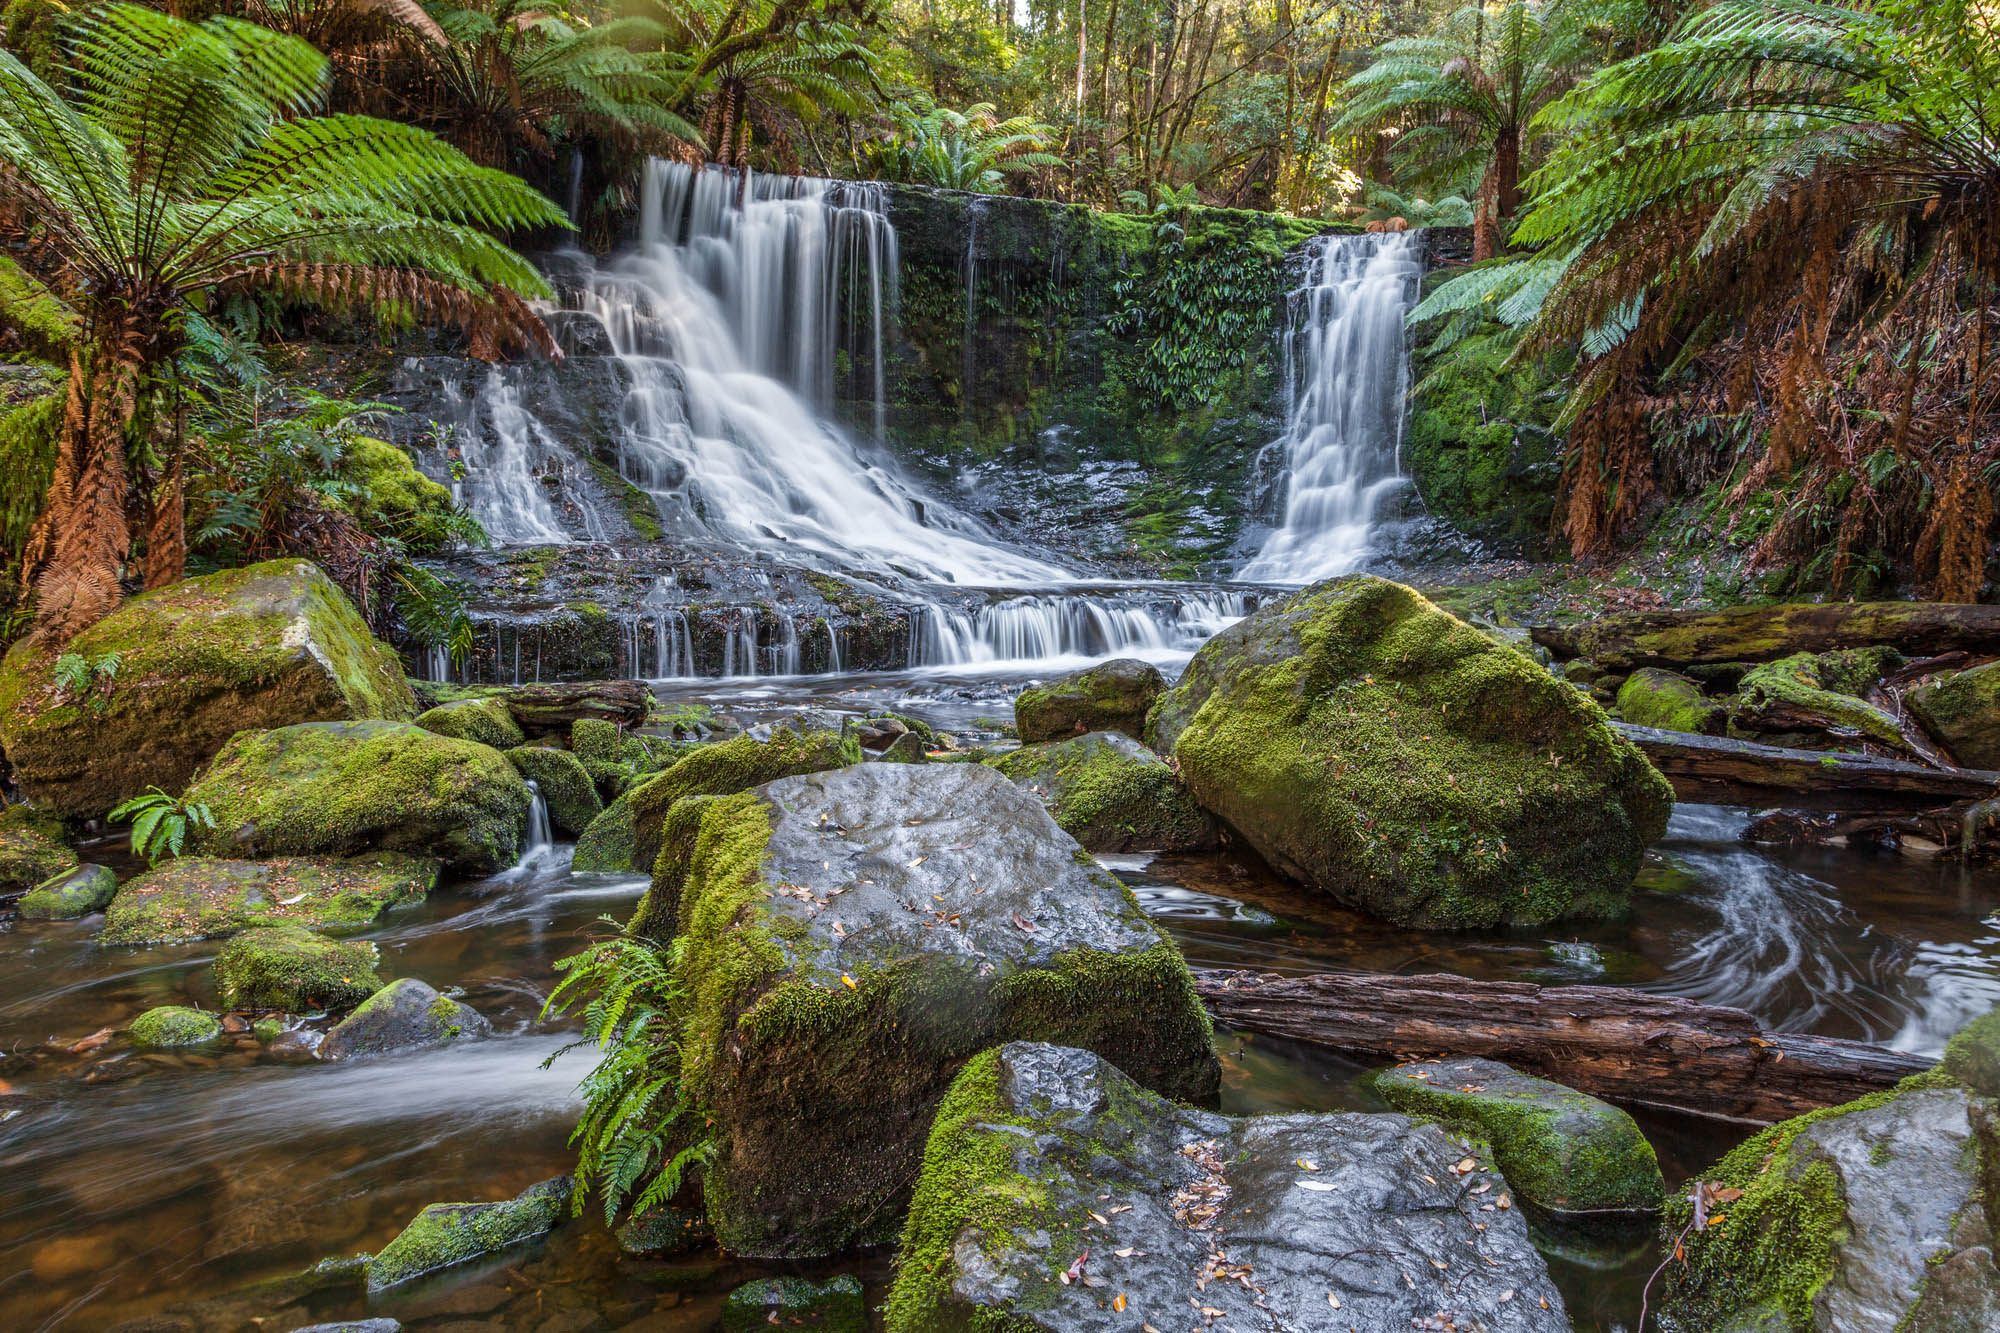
{"type": "Point", "coordinates": [540, 836]}
{"type": "Point", "coordinates": [1347, 375]}
{"type": "Point", "coordinates": [1073, 625]}
{"type": "Point", "coordinates": [506, 452]}
{"type": "Point", "coordinates": [785, 652]}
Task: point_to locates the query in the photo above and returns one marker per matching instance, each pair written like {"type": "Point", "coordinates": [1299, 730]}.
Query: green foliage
{"type": "Point", "coordinates": [27, 458]}
{"type": "Point", "coordinates": [964, 150]}
{"type": "Point", "coordinates": [1193, 307]}
{"type": "Point", "coordinates": [637, 1138]}
{"type": "Point", "coordinates": [432, 609]}
{"type": "Point", "coordinates": [78, 677]}
{"type": "Point", "coordinates": [161, 822]}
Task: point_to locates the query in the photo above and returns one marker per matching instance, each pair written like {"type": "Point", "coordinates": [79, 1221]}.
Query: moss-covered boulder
{"type": "Point", "coordinates": [594, 740]}
{"type": "Point", "coordinates": [1111, 696]}
{"type": "Point", "coordinates": [201, 897]}
{"type": "Point", "coordinates": [1373, 746]}
{"type": "Point", "coordinates": [563, 782]}
{"type": "Point", "coordinates": [1823, 689]}
{"type": "Point", "coordinates": [447, 1234]}
{"type": "Point", "coordinates": [734, 765]}
{"type": "Point", "coordinates": [850, 938]}
{"type": "Point", "coordinates": [179, 671]}
{"type": "Point", "coordinates": [289, 967]}
{"type": "Point", "coordinates": [1058, 1194]}
{"type": "Point", "coordinates": [1871, 1215]}
{"type": "Point", "coordinates": [172, 1025]}
{"type": "Point", "coordinates": [1963, 711]}
{"type": "Point", "coordinates": [75, 892]}
{"type": "Point", "coordinates": [401, 1016]}
{"type": "Point", "coordinates": [1110, 793]}
{"type": "Point", "coordinates": [337, 788]}
{"type": "Point", "coordinates": [486, 721]}
{"type": "Point", "coordinates": [1972, 1057]}
{"type": "Point", "coordinates": [1651, 697]}
{"type": "Point", "coordinates": [794, 1302]}
{"type": "Point", "coordinates": [1561, 1150]}
{"type": "Point", "coordinates": [32, 848]}
{"type": "Point", "coordinates": [605, 845]}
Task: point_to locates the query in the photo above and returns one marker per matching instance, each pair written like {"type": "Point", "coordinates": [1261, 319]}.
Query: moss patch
{"type": "Point", "coordinates": [33, 847]}
{"type": "Point", "coordinates": [75, 892]}
{"type": "Point", "coordinates": [173, 1025]}
{"type": "Point", "coordinates": [486, 721]}
{"type": "Point", "coordinates": [1113, 696]}
{"type": "Point", "coordinates": [734, 765]}
{"type": "Point", "coordinates": [1827, 685]}
{"type": "Point", "coordinates": [288, 967]}
{"type": "Point", "coordinates": [199, 897]}
{"type": "Point", "coordinates": [1651, 697]}
{"type": "Point", "coordinates": [606, 842]}
{"type": "Point", "coordinates": [1110, 793]}
{"type": "Point", "coordinates": [794, 1302]}
{"type": "Point", "coordinates": [1963, 711]}
{"type": "Point", "coordinates": [564, 783]}
{"type": "Point", "coordinates": [445, 1234]}
{"type": "Point", "coordinates": [593, 740]}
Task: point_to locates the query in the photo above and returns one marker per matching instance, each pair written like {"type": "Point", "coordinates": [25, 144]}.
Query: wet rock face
{"type": "Point", "coordinates": [850, 938]}
{"type": "Point", "coordinates": [32, 848]}
{"type": "Point", "coordinates": [1372, 746]}
{"type": "Point", "coordinates": [288, 967]}
{"type": "Point", "coordinates": [76, 892]}
{"type": "Point", "coordinates": [1963, 711]}
{"type": "Point", "coordinates": [263, 646]}
{"type": "Point", "coordinates": [399, 1016]}
{"type": "Point", "coordinates": [1111, 793]}
{"type": "Point", "coordinates": [1048, 1162]}
{"type": "Point", "coordinates": [202, 897]}
{"type": "Point", "coordinates": [1112, 696]}
{"type": "Point", "coordinates": [445, 1234]}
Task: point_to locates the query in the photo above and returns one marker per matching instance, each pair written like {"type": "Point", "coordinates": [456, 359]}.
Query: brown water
{"type": "Point", "coordinates": [137, 1184]}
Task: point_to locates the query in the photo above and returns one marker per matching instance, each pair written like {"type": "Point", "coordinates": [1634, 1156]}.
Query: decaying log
{"type": "Point", "coordinates": [1716, 770]}
{"type": "Point", "coordinates": [542, 709]}
{"type": "Point", "coordinates": [1764, 633]}
{"type": "Point", "coordinates": [1622, 1045]}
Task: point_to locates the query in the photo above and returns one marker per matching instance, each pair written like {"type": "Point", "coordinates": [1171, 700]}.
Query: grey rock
{"type": "Point", "coordinates": [1111, 696]}
{"type": "Point", "coordinates": [354, 1326]}
{"type": "Point", "coordinates": [401, 1015]}
{"type": "Point", "coordinates": [76, 892]}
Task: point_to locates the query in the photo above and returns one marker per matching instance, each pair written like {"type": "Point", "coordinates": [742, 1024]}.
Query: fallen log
{"type": "Point", "coordinates": [1763, 633]}
{"type": "Point", "coordinates": [1622, 1045]}
{"type": "Point", "coordinates": [543, 709]}
{"type": "Point", "coordinates": [1717, 770]}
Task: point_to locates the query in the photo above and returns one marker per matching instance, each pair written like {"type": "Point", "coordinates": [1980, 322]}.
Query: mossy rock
{"type": "Point", "coordinates": [337, 788]}
{"type": "Point", "coordinates": [1972, 1057]}
{"type": "Point", "coordinates": [1111, 696]}
{"type": "Point", "coordinates": [794, 1302]}
{"type": "Point", "coordinates": [1111, 793]}
{"type": "Point", "coordinates": [594, 741]}
{"type": "Point", "coordinates": [400, 1016]}
{"type": "Point", "coordinates": [33, 847]}
{"type": "Point", "coordinates": [201, 897]}
{"type": "Point", "coordinates": [1963, 711]}
{"type": "Point", "coordinates": [1561, 1150]}
{"type": "Point", "coordinates": [264, 646]}
{"type": "Point", "coordinates": [563, 782]}
{"type": "Point", "coordinates": [486, 721]}
{"type": "Point", "coordinates": [850, 937]}
{"type": "Point", "coordinates": [1372, 746]}
{"type": "Point", "coordinates": [447, 1234]}
{"type": "Point", "coordinates": [665, 1231]}
{"type": "Point", "coordinates": [75, 892]}
{"type": "Point", "coordinates": [172, 1025]}
{"type": "Point", "coordinates": [1827, 685]}
{"type": "Point", "coordinates": [1651, 697]}
{"type": "Point", "coordinates": [391, 494]}
{"type": "Point", "coordinates": [289, 967]}
{"type": "Point", "coordinates": [605, 845]}
{"type": "Point", "coordinates": [734, 765]}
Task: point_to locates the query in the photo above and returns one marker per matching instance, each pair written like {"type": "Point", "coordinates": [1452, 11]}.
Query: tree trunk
{"type": "Point", "coordinates": [166, 529]}
{"type": "Point", "coordinates": [542, 709]}
{"type": "Point", "coordinates": [1766, 633]}
{"type": "Point", "coordinates": [88, 537]}
{"type": "Point", "coordinates": [1621, 1045]}
{"type": "Point", "coordinates": [1499, 196]}
{"type": "Point", "coordinates": [1715, 770]}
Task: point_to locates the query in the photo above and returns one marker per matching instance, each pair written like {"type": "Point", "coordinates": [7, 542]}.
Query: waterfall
{"type": "Point", "coordinates": [1347, 375]}
{"type": "Point", "coordinates": [1044, 628]}
{"type": "Point", "coordinates": [539, 836]}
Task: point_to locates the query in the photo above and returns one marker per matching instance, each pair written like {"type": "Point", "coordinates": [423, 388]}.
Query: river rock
{"type": "Point", "coordinates": [399, 1016]}
{"type": "Point", "coordinates": [1857, 1219]}
{"type": "Point", "coordinates": [264, 646]}
{"type": "Point", "coordinates": [850, 938]}
{"type": "Point", "coordinates": [1651, 697]}
{"type": "Point", "coordinates": [605, 844]}
{"type": "Point", "coordinates": [170, 1025]}
{"type": "Point", "coordinates": [795, 1302]}
{"type": "Point", "coordinates": [1561, 1150]}
{"type": "Point", "coordinates": [1821, 686]}
{"type": "Point", "coordinates": [1047, 1162]}
{"type": "Point", "coordinates": [563, 782]}
{"type": "Point", "coordinates": [1110, 793]}
{"type": "Point", "coordinates": [1963, 711]}
{"type": "Point", "coordinates": [337, 788]}
{"type": "Point", "coordinates": [1372, 746]}
{"type": "Point", "coordinates": [288, 967]}
{"type": "Point", "coordinates": [486, 720]}
{"type": "Point", "coordinates": [32, 848]}
{"type": "Point", "coordinates": [1111, 696]}
{"type": "Point", "coordinates": [446, 1234]}
{"type": "Point", "coordinates": [355, 1326]}
{"type": "Point", "coordinates": [201, 897]}
{"type": "Point", "coordinates": [75, 892]}
{"type": "Point", "coordinates": [737, 764]}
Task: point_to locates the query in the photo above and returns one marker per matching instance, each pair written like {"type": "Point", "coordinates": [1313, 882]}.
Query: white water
{"type": "Point", "coordinates": [1051, 628]}
{"type": "Point", "coordinates": [1346, 378]}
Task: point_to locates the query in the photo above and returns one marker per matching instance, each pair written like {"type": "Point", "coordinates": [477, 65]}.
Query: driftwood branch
{"type": "Point", "coordinates": [541, 709]}
{"type": "Point", "coordinates": [1764, 633]}
{"type": "Point", "coordinates": [1719, 771]}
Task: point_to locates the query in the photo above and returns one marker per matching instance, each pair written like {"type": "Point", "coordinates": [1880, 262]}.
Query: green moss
{"type": "Point", "coordinates": [1114, 696]}
{"type": "Point", "coordinates": [1651, 697]}
{"type": "Point", "coordinates": [1107, 796]}
{"type": "Point", "coordinates": [734, 765]}
{"type": "Point", "coordinates": [794, 1302]}
{"type": "Point", "coordinates": [640, 511]}
{"type": "Point", "coordinates": [33, 848]}
{"type": "Point", "coordinates": [564, 783]}
{"type": "Point", "coordinates": [486, 721]}
{"type": "Point", "coordinates": [658, 914]}
{"type": "Point", "coordinates": [198, 897]}
{"type": "Point", "coordinates": [1481, 442]}
{"type": "Point", "coordinates": [446, 1234]}
{"type": "Point", "coordinates": [174, 1025]}
{"type": "Point", "coordinates": [1963, 711]}
{"type": "Point", "coordinates": [394, 497]}
{"type": "Point", "coordinates": [594, 741]}
{"type": "Point", "coordinates": [1826, 684]}
{"type": "Point", "coordinates": [72, 893]}
{"type": "Point", "coordinates": [1972, 1057]}
{"type": "Point", "coordinates": [605, 845]}
{"type": "Point", "coordinates": [288, 967]}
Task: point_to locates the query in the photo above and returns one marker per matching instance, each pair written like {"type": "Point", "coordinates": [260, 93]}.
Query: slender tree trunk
{"type": "Point", "coordinates": [1500, 195]}
{"type": "Point", "coordinates": [166, 527]}
{"type": "Point", "coordinates": [88, 536]}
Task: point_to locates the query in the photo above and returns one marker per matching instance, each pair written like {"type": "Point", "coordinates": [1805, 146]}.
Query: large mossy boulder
{"type": "Point", "coordinates": [1110, 793]}
{"type": "Point", "coordinates": [1057, 1194]}
{"type": "Point", "coordinates": [338, 788]}
{"type": "Point", "coordinates": [850, 938]}
{"type": "Point", "coordinates": [484, 720]}
{"type": "Point", "coordinates": [1651, 697]}
{"type": "Point", "coordinates": [1561, 1150]}
{"type": "Point", "coordinates": [446, 1234]}
{"type": "Point", "coordinates": [289, 967]}
{"type": "Point", "coordinates": [1963, 711]}
{"type": "Point", "coordinates": [32, 848]}
{"type": "Point", "coordinates": [75, 892]}
{"type": "Point", "coordinates": [563, 782]}
{"type": "Point", "coordinates": [265, 646]}
{"type": "Point", "coordinates": [734, 765]}
{"type": "Point", "coordinates": [402, 1015]}
{"type": "Point", "coordinates": [202, 897]}
{"type": "Point", "coordinates": [605, 845]}
{"type": "Point", "coordinates": [1111, 696]}
{"type": "Point", "coordinates": [1372, 746]}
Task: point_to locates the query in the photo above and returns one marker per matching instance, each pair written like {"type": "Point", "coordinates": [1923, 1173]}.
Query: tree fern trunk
{"type": "Point", "coordinates": [166, 529]}
{"type": "Point", "coordinates": [88, 535]}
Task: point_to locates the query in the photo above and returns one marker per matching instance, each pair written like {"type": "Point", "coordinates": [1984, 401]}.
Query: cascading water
{"type": "Point", "coordinates": [1346, 375]}
{"type": "Point", "coordinates": [1045, 629]}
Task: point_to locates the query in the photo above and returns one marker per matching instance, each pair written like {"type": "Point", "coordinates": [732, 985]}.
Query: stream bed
{"type": "Point", "coordinates": [154, 1190]}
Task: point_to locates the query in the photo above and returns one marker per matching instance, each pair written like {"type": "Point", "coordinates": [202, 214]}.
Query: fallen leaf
{"type": "Point", "coordinates": [1316, 1186]}
{"type": "Point", "coordinates": [848, 982]}
{"type": "Point", "coordinates": [1023, 923]}
{"type": "Point", "coordinates": [1118, 1302]}
{"type": "Point", "coordinates": [1333, 1300]}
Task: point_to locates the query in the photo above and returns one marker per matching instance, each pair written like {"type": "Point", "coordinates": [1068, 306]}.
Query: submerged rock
{"type": "Point", "coordinates": [1963, 711]}
{"type": "Point", "coordinates": [1111, 696]}
{"type": "Point", "coordinates": [1110, 793]}
{"type": "Point", "coordinates": [850, 938]}
{"type": "Point", "coordinates": [445, 1234]}
{"type": "Point", "coordinates": [399, 1016]}
{"type": "Point", "coordinates": [355, 1326]}
{"type": "Point", "coordinates": [174, 1025]}
{"type": "Point", "coordinates": [75, 892]}
{"type": "Point", "coordinates": [200, 897]}
{"type": "Point", "coordinates": [665, 1231]}
{"type": "Point", "coordinates": [795, 1302]}
{"type": "Point", "coordinates": [33, 848]}
{"type": "Point", "coordinates": [1372, 746]}
{"type": "Point", "coordinates": [734, 765]}
{"type": "Point", "coordinates": [264, 646]}
{"type": "Point", "coordinates": [336, 788]}
{"type": "Point", "coordinates": [1651, 697]}
{"type": "Point", "coordinates": [1561, 1150]}
{"type": "Point", "coordinates": [564, 783]}
{"type": "Point", "coordinates": [486, 721]}
{"type": "Point", "coordinates": [1057, 1194]}
{"type": "Point", "coordinates": [288, 967]}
